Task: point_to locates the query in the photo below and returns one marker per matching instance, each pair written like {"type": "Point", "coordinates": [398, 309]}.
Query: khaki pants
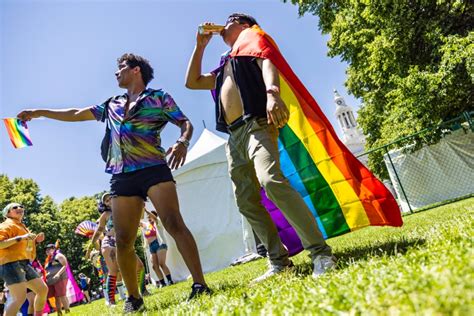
{"type": "Point", "coordinates": [252, 153]}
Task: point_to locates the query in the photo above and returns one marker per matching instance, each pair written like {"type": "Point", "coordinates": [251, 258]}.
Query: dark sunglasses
{"type": "Point", "coordinates": [17, 207]}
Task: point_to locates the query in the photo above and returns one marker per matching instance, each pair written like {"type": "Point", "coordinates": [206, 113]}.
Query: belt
{"type": "Point", "coordinates": [237, 123]}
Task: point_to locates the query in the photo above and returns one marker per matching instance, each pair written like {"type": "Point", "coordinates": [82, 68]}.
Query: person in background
{"type": "Point", "coordinates": [17, 249]}
{"type": "Point", "coordinates": [85, 283]}
{"type": "Point", "coordinates": [30, 295]}
{"type": "Point", "coordinates": [56, 278]}
{"type": "Point", "coordinates": [158, 248]}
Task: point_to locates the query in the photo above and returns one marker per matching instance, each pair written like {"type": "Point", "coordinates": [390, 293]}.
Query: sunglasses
{"type": "Point", "coordinates": [17, 207]}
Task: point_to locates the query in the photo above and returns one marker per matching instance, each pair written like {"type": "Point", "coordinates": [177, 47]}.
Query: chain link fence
{"type": "Point", "coordinates": [422, 175]}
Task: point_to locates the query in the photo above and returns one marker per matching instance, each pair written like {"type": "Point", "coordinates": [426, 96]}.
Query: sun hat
{"type": "Point", "coordinates": [7, 208]}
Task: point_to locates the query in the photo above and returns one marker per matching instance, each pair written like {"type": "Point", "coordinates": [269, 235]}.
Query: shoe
{"type": "Point", "coordinates": [133, 304]}
{"type": "Point", "coordinates": [274, 269]}
{"type": "Point", "coordinates": [198, 289]}
{"type": "Point", "coordinates": [322, 264]}
{"type": "Point", "coordinates": [146, 293]}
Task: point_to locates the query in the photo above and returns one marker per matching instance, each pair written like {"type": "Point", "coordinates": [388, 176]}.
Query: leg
{"type": "Point", "coordinates": [264, 152]}
{"type": "Point", "coordinates": [110, 258]}
{"type": "Point", "coordinates": [247, 195]}
{"type": "Point", "coordinates": [162, 261]}
{"type": "Point", "coordinates": [59, 305]}
{"type": "Point", "coordinates": [126, 212]}
{"type": "Point", "coordinates": [17, 297]}
{"type": "Point", "coordinates": [30, 296]}
{"type": "Point", "coordinates": [40, 289]}
{"type": "Point", "coordinates": [156, 266]}
{"type": "Point", "coordinates": [165, 199]}
{"type": "Point", "coordinates": [163, 266]}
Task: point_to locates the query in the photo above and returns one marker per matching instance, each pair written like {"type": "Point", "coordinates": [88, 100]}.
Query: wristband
{"type": "Point", "coordinates": [183, 141]}
{"type": "Point", "coordinates": [273, 90]}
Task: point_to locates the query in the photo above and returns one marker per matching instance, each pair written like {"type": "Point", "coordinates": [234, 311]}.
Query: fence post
{"type": "Point", "coordinates": [468, 119]}
{"type": "Point", "coordinates": [398, 179]}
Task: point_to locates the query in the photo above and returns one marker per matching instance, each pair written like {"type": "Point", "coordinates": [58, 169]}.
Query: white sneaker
{"type": "Point", "coordinates": [273, 269]}
{"type": "Point", "coordinates": [322, 264]}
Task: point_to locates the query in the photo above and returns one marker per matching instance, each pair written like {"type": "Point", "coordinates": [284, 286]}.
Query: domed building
{"type": "Point", "coordinates": [352, 136]}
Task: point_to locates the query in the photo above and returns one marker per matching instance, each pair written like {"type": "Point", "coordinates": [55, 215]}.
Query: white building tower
{"type": "Point", "coordinates": [352, 136]}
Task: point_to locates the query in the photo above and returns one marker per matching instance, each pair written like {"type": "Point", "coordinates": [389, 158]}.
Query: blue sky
{"type": "Point", "coordinates": [61, 54]}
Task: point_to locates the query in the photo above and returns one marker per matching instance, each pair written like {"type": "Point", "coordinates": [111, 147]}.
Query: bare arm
{"type": "Point", "coordinates": [277, 112]}
{"type": "Point", "coordinates": [194, 77]}
{"type": "Point", "coordinates": [150, 214]}
{"type": "Point", "coordinates": [67, 115]}
{"type": "Point", "coordinates": [101, 226]}
{"type": "Point", "coordinates": [178, 151]}
{"type": "Point", "coordinates": [62, 259]}
{"type": "Point", "coordinates": [11, 241]}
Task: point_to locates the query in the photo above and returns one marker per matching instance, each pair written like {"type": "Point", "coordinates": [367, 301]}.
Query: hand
{"type": "Point", "coordinates": [177, 155]}
{"type": "Point", "coordinates": [27, 115]}
{"type": "Point", "coordinates": [277, 112]}
{"type": "Point", "coordinates": [40, 237]}
{"type": "Point", "coordinates": [203, 39]}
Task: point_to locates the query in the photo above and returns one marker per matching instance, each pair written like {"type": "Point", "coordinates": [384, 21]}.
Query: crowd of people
{"type": "Point", "coordinates": [26, 279]}
{"type": "Point", "coordinates": [248, 107]}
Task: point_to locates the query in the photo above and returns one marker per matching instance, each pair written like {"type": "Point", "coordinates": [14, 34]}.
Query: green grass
{"type": "Point", "coordinates": [424, 268]}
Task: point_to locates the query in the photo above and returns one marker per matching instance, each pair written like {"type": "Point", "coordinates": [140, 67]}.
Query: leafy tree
{"type": "Point", "coordinates": [411, 62]}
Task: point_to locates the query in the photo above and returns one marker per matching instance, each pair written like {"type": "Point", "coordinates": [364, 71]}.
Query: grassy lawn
{"type": "Point", "coordinates": [424, 268]}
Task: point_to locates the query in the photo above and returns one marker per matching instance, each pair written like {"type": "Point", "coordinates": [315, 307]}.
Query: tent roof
{"type": "Point", "coordinates": [204, 152]}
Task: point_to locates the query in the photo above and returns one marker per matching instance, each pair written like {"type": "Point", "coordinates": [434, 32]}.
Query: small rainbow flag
{"type": "Point", "coordinates": [340, 191]}
{"type": "Point", "coordinates": [18, 132]}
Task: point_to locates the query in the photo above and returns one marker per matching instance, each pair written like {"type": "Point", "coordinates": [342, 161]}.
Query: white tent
{"type": "Point", "coordinates": [208, 207]}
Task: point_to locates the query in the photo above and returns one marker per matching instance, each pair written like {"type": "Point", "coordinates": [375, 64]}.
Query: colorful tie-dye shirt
{"type": "Point", "coordinates": [135, 140]}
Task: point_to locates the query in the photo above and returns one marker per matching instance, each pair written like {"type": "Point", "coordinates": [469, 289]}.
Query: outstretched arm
{"type": "Point", "coordinates": [194, 77]}
{"type": "Point", "coordinates": [67, 115]}
{"type": "Point", "coordinates": [151, 215]}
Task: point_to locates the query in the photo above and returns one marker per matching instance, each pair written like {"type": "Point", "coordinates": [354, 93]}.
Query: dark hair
{"type": "Point", "coordinates": [103, 208]}
{"type": "Point", "coordinates": [133, 61]}
{"type": "Point", "coordinates": [154, 213]}
{"type": "Point", "coordinates": [242, 18]}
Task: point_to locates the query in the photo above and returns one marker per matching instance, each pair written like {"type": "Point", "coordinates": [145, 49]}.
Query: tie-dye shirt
{"type": "Point", "coordinates": [135, 139]}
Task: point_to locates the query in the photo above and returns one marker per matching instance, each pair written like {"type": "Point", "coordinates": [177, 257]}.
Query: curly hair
{"type": "Point", "coordinates": [133, 61]}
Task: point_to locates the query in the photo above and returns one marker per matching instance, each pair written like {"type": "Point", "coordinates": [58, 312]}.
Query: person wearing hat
{"type": "Point", "coordinates": [56, 277]}
{"type": "Point", "coordinates": [17, 249]}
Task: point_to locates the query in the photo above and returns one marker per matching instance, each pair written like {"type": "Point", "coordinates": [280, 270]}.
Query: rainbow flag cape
{"type": "Point", "coordinates": [341, 192]}
{"type": "Point", "coordinates": [18, 132]}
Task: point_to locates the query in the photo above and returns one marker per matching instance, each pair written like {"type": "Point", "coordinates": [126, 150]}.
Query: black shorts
{"type": "Point", "coordinates": [17, 272]}
{"type": "Point", "coordinates": [137, 183]}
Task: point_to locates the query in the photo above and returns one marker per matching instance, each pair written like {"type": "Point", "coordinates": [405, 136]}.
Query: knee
{"type": "Point", "coordinates": [173, 224]}
{"type": "Point", "coordinates": [125, 241]}
{"type": "Point", "coordinates": [42, 290]}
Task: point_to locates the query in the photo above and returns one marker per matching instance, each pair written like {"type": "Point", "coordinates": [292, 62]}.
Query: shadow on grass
{"type": "Point", "coordinates": [346, 258]}
{"type": "Point", "coordinates": [182, 298]}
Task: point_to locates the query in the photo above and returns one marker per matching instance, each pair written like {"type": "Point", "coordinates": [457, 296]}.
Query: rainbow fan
{"type": "Point", "coordinates": [86, 229]}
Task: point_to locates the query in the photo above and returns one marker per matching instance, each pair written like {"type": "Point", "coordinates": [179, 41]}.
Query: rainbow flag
{"type": "Point", "coordinates": [341, 192]}
{"type": "Point", "coordinates": [18, 132]}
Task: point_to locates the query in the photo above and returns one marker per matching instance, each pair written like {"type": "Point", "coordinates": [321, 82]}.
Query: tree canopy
{"type": "Point", "coordinates": [410, 62]}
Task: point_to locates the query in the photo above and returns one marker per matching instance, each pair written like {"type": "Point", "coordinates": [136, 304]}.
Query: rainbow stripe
{"type": "Point", "coordinates": [18, 132]}
{"type": "Point", "coordinates": [340, 191]}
